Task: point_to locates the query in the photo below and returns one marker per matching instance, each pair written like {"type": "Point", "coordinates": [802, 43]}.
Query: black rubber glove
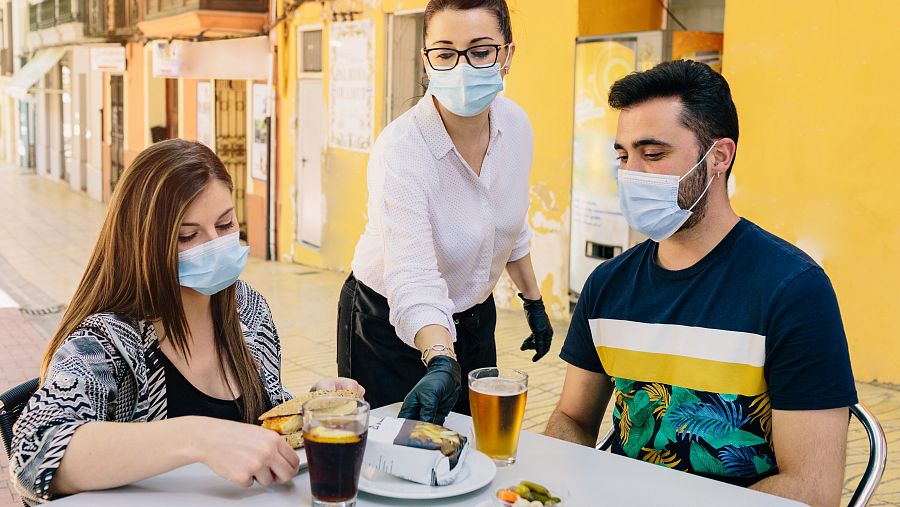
{"type": "Point", "coordinates": [435, 394]}
{"type": "Point", "coordinates": [541, 330]}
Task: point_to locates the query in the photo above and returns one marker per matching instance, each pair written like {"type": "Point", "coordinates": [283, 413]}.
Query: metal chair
{"type": "Point", "coordinates": [877, 454]}
{"type": "Point", "coordinates": [607, 439]}
{"type": "Point", "coordinates": [12, 403]}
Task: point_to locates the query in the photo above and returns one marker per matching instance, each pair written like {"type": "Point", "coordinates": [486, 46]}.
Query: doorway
{"type": "Point", "coordinates": [117, 129]}
{"type": "Point", "coordinates": [310, 141]}
{"type": "Point", "coordinates": [406, 72]}
{"type": "Point", "coordinates": [171, 108]}
{"type": "Point", "coordinates": [310, 135]}
{"type": "Point", "coordinates": [231, 142]}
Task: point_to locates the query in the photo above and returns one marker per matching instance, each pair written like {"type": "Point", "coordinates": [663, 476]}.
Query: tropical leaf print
{"type": "Point", "coordinates": [704, 462]}
{"type": "Point", "coordinates": [744, 461]}
{"type": "Point", "coordinates": [659, 394]}
{"type": "Point", "coordinates": [624, 424]}
{"type": "Point", "coordinates": [642, 424]}
{"type": "Point", "coordinates": [716, 419]}
{"type": "Point", "coordinates": [657, 457]}
{"type": "Point", "coordinates": [763, 413]}
{"type": "Point", "coordinates": [626, 386]}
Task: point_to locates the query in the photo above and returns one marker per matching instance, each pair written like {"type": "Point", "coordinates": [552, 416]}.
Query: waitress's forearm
{"type": "Point", "coordinates": [522, 273]}
{"type": "Point", "coordinates": [104, 455]}
{"type": "Point", "coordinates": [432, 335]}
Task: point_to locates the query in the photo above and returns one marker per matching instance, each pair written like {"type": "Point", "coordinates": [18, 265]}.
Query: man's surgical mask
{"type": "Point", "coordinates": [650, 201]}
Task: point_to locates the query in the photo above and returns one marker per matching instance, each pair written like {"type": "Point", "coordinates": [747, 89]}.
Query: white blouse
{"type": "Point", "coordinates": [439, 236]}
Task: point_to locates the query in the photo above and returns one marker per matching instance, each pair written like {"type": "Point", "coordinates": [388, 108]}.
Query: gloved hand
{"type": "Point", "coordinates": [435, 394]}
{"type": "Point", "coordinates": [541, 331]}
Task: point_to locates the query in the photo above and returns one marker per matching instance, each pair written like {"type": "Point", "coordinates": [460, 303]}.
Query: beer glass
{"type": "Point", "coordinates": [334, 435]}
{"type": "Point", "coordinates": [497, 400]}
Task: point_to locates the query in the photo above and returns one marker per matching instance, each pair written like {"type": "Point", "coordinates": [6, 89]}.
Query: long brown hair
{"type": "Point", "coordinates": [133, 270]}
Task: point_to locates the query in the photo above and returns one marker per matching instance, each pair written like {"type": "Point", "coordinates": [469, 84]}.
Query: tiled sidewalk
{"type": "Point", "coordinates": [46, 234]}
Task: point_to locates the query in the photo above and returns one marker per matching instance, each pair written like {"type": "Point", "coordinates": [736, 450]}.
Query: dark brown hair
{"type": "Point", "coordinates": [497, 7]}
{"type": "Point", "coordinates": [707, 108]}
{"type": "Point", "coordinates": [133, 270]}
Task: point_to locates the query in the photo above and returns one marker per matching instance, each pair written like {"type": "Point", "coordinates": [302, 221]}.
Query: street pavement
{"type": "Point", "coordinates": [47, 232]}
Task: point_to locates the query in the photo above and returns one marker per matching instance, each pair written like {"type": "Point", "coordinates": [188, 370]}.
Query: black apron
{"type": "Point", "coordinates": [370, 352]}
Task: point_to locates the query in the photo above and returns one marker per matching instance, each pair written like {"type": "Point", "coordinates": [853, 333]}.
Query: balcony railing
{"type": "Point", "coordinates": [50, 13]}
{"type": "Point", "coordinates": [33, 16]}
{"type": "Point", "coordinates": [96, 18]}
{"type": "Point", "coordinates": [126, 16]}
{"type": "Point", "coordinates": [162, 8]}
{"type": "Point", "coordinates": [47, 14]}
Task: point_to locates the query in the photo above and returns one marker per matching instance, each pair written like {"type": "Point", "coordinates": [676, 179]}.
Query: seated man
{"type": "Point", "coordinates": [723, 343]}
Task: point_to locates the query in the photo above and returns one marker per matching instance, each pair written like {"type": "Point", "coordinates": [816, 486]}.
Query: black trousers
{"type": "Point", "coordinates": [370, 352]}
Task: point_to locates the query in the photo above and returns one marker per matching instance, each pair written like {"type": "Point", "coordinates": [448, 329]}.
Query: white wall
{"type": "Point", "coordinates": [95, 141]}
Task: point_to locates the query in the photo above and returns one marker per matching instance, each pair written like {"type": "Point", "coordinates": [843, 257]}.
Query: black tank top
{"type": "Point", "coordinates": [182, 398]}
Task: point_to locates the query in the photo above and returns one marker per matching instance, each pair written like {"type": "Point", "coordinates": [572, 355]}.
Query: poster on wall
{"type": "Point", "coordinates": [599, 230]}
{"type": "Point", "coordinates": [167, 58]}
{"type": "Point", "coordinates": [108, 58]}
{"type": "Point", "coordinates": [259, 147]}
{"type": "Point", "coordinates": [204, 114]}
{"type": "Point", "coordinates": [352, 85]}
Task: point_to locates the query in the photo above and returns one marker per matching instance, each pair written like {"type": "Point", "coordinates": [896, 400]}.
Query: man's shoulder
{"type": "Point", "coordinates": [770, 244]}
{"type": "Point", "coordinates": [624, 265]}
{"type": "Point", "coordinates": [772, 259]}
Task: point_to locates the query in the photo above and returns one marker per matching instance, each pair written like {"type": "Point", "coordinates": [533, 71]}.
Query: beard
{"type": "Point", "coordinates": [690, 189]}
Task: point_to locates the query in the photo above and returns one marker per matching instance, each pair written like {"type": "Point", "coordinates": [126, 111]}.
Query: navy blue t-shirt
{"type": "Point", "coordinates": [700, 356]}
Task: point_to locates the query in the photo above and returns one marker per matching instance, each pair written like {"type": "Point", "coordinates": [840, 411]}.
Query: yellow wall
{"type": "Point", "coordinates": [187, 108]}
{"type": "Point", "coordinates": [344, 181]}
{"type": "Point", "coordinates": [599, 17]}
{"type": "Point", "coordinates": [817, 163]}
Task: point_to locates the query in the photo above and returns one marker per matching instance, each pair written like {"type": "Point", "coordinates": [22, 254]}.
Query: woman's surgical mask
{"type": "Point", "coordinates": [650, 201]}
{"type": "Point", "coordinates": [465, 90]}
{"type": "Point", "coordinates": [213, 266]}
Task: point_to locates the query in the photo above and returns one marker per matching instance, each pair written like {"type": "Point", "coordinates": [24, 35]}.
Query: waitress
{"type": "Point", "coordinates": [448, 205]}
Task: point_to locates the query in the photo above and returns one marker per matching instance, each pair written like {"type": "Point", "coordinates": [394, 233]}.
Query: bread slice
{"type": "Point", "coordinates": [294, 406]}
{"type": "Point", "coordinates": [295, 440]}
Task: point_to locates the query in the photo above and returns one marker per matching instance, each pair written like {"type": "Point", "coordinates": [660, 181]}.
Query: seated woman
{"type": "Point", "coordinates": [162, 333]}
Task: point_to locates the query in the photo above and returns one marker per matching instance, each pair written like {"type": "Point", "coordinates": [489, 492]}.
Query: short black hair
{"type": "Point", "coordinates": [497, 7]}
{"type": "Point", "coordinates": [707, 107]}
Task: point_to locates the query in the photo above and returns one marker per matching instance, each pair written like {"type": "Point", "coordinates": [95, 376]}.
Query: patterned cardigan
{"type": "Point", "coordinates": [109, 370]}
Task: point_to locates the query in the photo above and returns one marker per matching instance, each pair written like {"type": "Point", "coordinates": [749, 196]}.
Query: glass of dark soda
{"type": "Point", "coordinates": [334, 435]}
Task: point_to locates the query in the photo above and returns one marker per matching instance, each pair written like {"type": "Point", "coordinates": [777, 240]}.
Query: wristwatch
{"type": "Point", "coordinates": [438, 347]}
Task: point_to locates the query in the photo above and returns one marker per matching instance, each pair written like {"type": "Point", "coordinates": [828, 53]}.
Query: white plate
{"type": "Point", "coordinates": [477, 472]}
{"type": "Point", "coordinates": [301, 453]}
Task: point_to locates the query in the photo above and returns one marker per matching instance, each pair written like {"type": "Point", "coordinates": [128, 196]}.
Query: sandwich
{"type": "Point", "coordinates": [286, 419]}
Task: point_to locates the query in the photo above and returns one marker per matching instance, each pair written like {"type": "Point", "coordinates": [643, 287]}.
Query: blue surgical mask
{"type": "Point", "coordinates": [650, 201]}
{"type": "Point", "coordinates": [213, 266]}
{"type": "Point", "coordinates": [465, 90]}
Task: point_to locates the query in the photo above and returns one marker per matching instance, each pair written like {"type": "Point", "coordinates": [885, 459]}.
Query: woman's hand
{"type": "Point", "coordinates": [339, 383]}
{"type": "Point", "coordinates": [244, 453]}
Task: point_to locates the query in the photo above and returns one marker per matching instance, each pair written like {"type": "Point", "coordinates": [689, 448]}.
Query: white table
{"type": "Point", "coordinates": [592, 478]}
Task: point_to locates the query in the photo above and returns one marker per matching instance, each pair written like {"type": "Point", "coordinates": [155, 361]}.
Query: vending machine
{"type": "Point", "coordinates": [598, 229]}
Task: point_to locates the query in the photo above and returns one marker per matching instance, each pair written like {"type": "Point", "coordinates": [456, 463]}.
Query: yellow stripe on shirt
{"type": "Point", "coordinates": [688, 372]}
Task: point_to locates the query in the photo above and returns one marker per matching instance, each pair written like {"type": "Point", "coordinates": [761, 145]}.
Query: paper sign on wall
{"type": "Point", "coordinates": [352, 85]}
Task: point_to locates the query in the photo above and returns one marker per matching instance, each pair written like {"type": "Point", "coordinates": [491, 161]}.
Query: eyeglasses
{"type": "Point", "coordinates": [479, 57]}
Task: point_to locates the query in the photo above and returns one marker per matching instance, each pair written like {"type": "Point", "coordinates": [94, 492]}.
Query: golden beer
{"type": "Point", "coordinates": [498, 406]}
